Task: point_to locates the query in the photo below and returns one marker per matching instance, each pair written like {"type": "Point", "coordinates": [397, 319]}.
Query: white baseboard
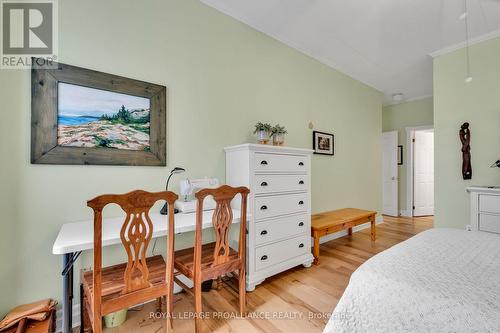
{"type": "Point", "coordinates": [343, 233]}
{"type": "Point", "coordinates": [404, 212]}
{"type": "Point", "coordinates": [76, 316]}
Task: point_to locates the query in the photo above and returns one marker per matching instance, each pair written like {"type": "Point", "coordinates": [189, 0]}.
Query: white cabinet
{"type": "Point", "coordinates": [279, 178]}
{"type": "Point", "coordinates": [485, 208]}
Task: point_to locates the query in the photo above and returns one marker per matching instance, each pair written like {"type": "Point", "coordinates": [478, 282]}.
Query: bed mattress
{"type": "Point", "coordinates": [441, 280]}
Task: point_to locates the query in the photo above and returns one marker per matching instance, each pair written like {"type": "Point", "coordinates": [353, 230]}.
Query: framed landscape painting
{"type": "Point", "coordinates": [80, 116]}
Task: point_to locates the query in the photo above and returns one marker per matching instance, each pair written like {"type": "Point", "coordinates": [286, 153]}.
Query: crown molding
{"type": "Point", "coordinates": [475, 40]}
{"type": "Point", "coordinates": [413, 99]}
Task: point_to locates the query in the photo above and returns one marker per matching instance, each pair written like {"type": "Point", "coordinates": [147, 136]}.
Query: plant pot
{"type": "Point", "coordinates": [262, 137]}
{"type": "Point", "coordinates": [116, 318]}
{"type": "Point", "coordinates": [278, 139]}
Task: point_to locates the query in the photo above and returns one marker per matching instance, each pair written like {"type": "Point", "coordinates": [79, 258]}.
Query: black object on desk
{"type": "Point", "coordinates": [176, 170]}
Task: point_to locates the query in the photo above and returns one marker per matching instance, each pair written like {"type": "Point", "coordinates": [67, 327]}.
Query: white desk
{"type": "Point", "coordinates": [73, 238]}
{"type": "Point", "coordinates": [79, 236]}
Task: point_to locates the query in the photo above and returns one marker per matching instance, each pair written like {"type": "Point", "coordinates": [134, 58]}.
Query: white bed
{"type": "Point", "coordinates": [441, 280]}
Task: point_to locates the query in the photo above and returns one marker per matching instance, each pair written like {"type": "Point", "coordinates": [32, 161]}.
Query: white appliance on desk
{"type": "Point", "coordinates": [188, 187]}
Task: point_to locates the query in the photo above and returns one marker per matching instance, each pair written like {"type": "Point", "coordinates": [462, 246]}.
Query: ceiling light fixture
{"type": "Point", "coordinates": [465, 18]}
{"type": "Point", "coordinates": [398, 97]}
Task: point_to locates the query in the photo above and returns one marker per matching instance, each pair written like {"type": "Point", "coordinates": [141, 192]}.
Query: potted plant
{"type": "Point", "coordinates": [278, 133]}
{"type": "Point", "coordinates": [263, 132]}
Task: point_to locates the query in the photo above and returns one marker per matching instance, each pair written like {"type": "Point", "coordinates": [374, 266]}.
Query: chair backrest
{"type": "Point", "coordinates": [135, 234]}
{"type": "Point", "coordinates": [222, 219]}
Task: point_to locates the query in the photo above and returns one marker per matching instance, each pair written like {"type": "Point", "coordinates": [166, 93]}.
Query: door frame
{"type": "Point", "coordinates": [410, 134]}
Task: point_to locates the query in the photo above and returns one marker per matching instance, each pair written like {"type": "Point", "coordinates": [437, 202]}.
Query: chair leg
{"type": "Point", "coordinates": [97, 327]}
{"type": "Point", "coordinates": [158, 305]}
{"type": "Point", "coordinates": [197, 306]}
{"type": "Point", "coordinates": [169, 307]}
{"type": "Point", "coordinates": [242, 292]}
{"type": "Point", "coordinates": [86, 317]}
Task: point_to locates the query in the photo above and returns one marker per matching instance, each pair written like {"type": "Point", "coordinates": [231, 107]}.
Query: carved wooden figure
{"type": "Point", "coordinates": [466, 158]}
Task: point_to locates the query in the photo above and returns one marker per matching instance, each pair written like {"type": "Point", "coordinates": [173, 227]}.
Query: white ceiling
{"type": "Point", "coordinates": [383, 43]}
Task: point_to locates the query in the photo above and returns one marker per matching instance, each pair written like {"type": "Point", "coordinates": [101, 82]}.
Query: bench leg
{"type": "Point", "coordinates": [373, 228]}
{"type": "Point", "coordinates": [349, 231]}
{"type": "Point", "coordinates": [316, 249]}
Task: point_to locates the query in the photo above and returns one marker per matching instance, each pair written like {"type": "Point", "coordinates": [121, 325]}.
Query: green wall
{"type": "Point", "coordinates": [396, 118]}
{"type": "Point", "coordinates": [222, 77]}
{"type": "Point", "coordinates": [456, 102]}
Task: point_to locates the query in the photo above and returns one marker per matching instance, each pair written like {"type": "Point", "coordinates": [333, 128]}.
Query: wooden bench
{"type": "Point", "coordinates": [326, 223]}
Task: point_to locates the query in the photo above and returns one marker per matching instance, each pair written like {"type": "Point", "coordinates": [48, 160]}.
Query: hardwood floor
{"type": "Point", "coordinates": [298, 300]}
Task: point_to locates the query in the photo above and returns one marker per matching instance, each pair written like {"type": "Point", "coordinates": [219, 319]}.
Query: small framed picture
{"type": "Point", "coordinates": [400, 155]}
{"type": "Point", "coordinates": [323, 143]}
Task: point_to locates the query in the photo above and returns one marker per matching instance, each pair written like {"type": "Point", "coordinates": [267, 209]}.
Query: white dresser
{"type": "Point", "coordinates": [279, 230]}
{"type": "Point", "coordinates": [485, 208]}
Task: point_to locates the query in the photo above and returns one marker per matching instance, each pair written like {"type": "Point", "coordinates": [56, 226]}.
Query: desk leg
{"type": "Point", "coordinates": [373, 227]}
{"type": "Point", "coordinates": [316, 248]}
{"type": "Point", "coordinates": [67, 302]}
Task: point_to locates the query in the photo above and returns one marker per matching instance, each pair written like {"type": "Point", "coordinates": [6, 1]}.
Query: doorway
{"type": "Point", "coordinates": [390, 173]}
{"type": "Point", "coordinates": [420, 171]}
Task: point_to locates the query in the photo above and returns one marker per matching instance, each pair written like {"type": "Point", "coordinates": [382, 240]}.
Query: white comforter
{"type": "Point", "coordinates": [442, 280]}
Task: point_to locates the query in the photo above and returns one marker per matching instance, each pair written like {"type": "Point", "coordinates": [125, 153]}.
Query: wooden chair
{"type": "Point", "coordinates": [141, 279]}
{"type": "Point", "coordinates": [204, 262]}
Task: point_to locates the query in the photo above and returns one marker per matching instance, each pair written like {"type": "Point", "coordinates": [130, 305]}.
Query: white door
{"type": "Point", "coordinates": [423, 173]}
{"type": "Point", "coordinates": [390, 173]}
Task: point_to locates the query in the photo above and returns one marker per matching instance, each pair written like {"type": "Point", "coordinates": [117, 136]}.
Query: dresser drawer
{"type": "Point", "coordinates": [490, 223]}
{"type": "Point", "coordinates": [283, 227]}
{"type": "Point", "coordinates": [280, 183]}
{"type": "Point", "coordinates": [280, 163]}
{"type": "Point", "coordinates": [276, 253]}
{"type": "Point", "coordinates": [270, 206]}
{"type": "Point", "coordinates": [489, 203]}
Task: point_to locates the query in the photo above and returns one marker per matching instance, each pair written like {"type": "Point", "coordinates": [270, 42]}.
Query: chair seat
{"type": "Point", "coordinates": [184, 259]}
{"type": "Point", "coordinates": [112, 278]}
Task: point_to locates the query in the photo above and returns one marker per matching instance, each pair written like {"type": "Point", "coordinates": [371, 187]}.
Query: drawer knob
{"type": "Point", "coordinates": [301, 245]}
{"type": "Point", "coordinates": [263, 184]}
{"type": "Point", "coordinates": [264, 162]}
{"type": "Point", "coordinates": [264, 207]}
{"type": "Point", "coordinates": [301, 163]}
{"type": "Point", "coordinates": [301, 182]}
{"type": "Point", "coordinates": [263, 232]}
{"type": "Point", "coordinates": [301, 224]}
{"type": "Point", "coordinates": [301, 202]}
{"type": "Point", "coordinates": [264, 257]}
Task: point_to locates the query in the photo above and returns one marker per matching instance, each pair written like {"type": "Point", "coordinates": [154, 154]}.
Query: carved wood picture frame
{"type": "Point", "coordinates": [44, 118]}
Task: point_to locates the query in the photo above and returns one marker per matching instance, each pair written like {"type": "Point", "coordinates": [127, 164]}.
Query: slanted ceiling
{"type": "Point", "coordinates": [383, 43]}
